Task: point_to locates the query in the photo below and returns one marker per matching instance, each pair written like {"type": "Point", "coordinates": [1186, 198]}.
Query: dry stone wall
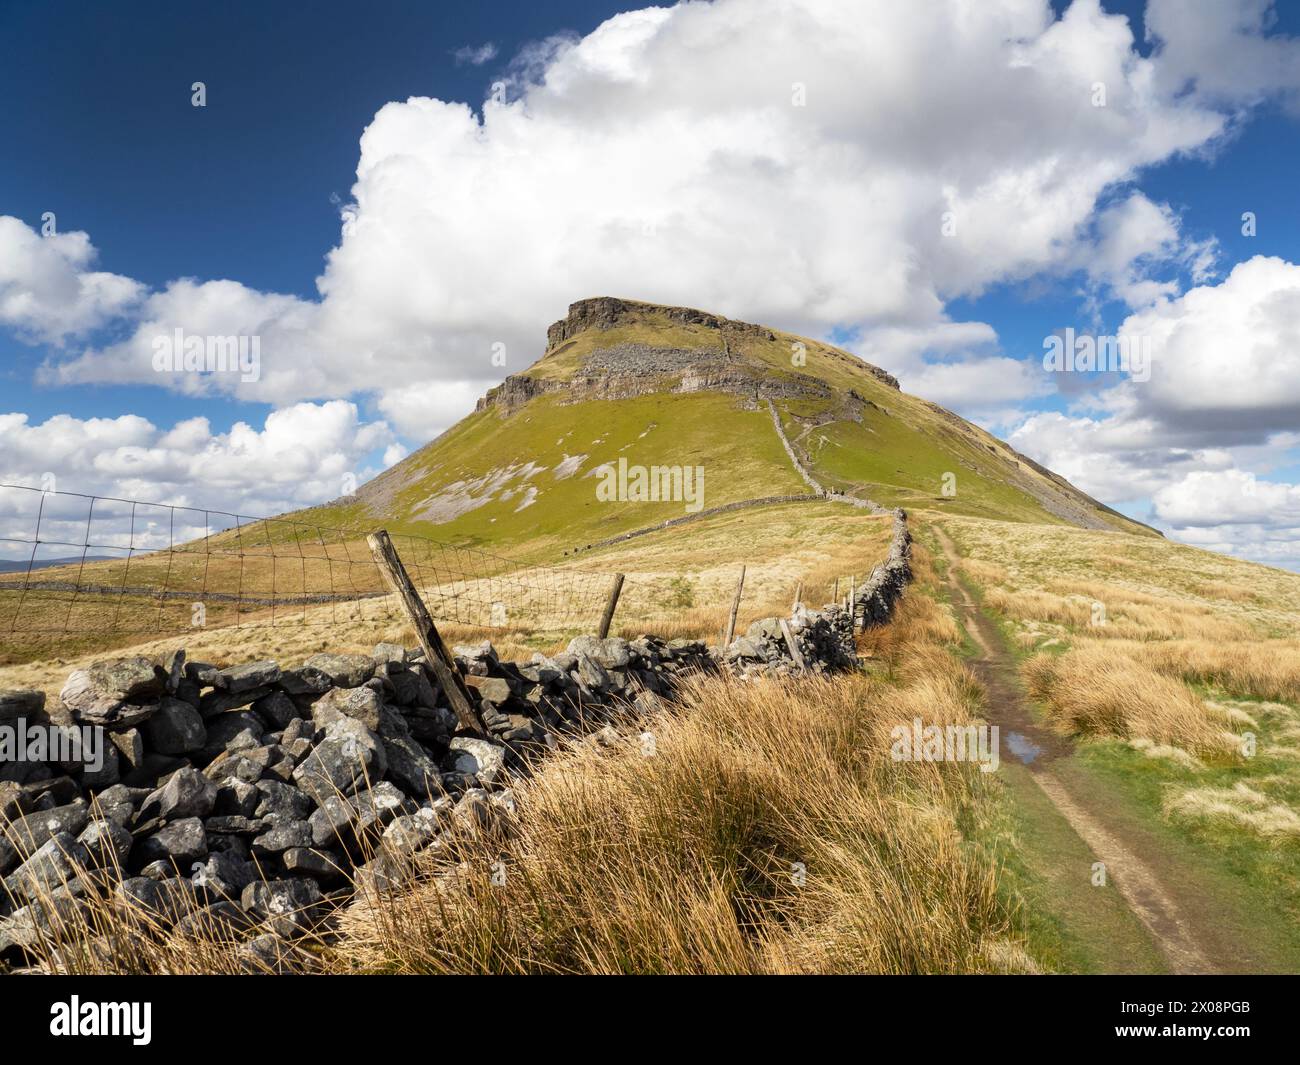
{"type": "Point", "coordinates": [257, 798]}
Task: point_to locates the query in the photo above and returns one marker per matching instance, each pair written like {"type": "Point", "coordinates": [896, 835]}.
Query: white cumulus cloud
{"type": "Point", "coordinates": [838, 176]}
{"type": "Point", "coordinates": [301, 455]}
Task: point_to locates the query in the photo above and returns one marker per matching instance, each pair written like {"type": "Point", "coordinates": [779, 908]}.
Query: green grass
{"type": "Point", "coordinates": [1256, 882]}
{"type": "Point", "coordinates": [897, 453]}
{"type": "Point", "coordinates": [741, 456]}
{"type": "Point", "coordinates": [1070, 924]}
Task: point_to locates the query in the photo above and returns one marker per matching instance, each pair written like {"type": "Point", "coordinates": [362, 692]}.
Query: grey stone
{"type": "Point", "coordinates": [404, 682]}
{"type": "Point", "coordinates": [130, 746]}
{"type": "Point", "coordinates": [493, 689]}
{"type": "Point", "coordinates": [611, 653]}
{"type": "Point", "coordinates": [234, 731]}
{"type": "Point", "coordinates": [305, 681]}
{"type": "Point", "coordinates": [35, 925]}
{"type": "Point", "coordinates": [360, 704]}
{"type": "Point", "coordinates": [177, 728]}
{"type": "Point", "coordinates": [24, 836]}
{"type": "Point", "coordinates": [110, 693]}
{"type": "Point", "coordinates": [137, 892]}
{"type": "Point", "coordinates": [57, 863]}
{"type": "Point", "coordinates": [223, 875]}
{"type": "Point", "coordinates": [344, 671]}
{"type": "Point", "coordinates": [277, 710]}
{"type": "Point", "coordinates": [281, 800]}
{"type": "Point", "coordinates": [108, 773]}
{"type": "Point", "coordinates": [172, 665]}
{"type": "Point", "coordinates": [187, 793]}
{"type": "Point", "coordinates": [592, 674]}
{"type": "Point", "coordinates": [116, 804]}
{"type": "Point", "coordinates": [221, 921]}
{"type": "Point", "coordinates": [18, 703]}
{"type": "Point", "coordinates": [471, 755]}
{"type": "Point", "coordinates": [218, 702]}
{"type": "Point", "coordinates": [413, 832]}
{"type": "Point", "coordinates": [233, 824]}
{"type": "Point", "coordinates": [300, 728]}
{"type": "Point", "coordinates": [270, 954]}
{"type": "Point", "coordinates": [285, 906]}
{"type": "Point", "coordinates": [388, 652]}
{"type": "Point", "coordinates": [107, 844]}
{"type": "Point", "coordinates": [478, 659]}
{"type": "Point", "coordinates": [349, 757]}
{"type": "Point", "coordinates": [283, 836]}
{"type": "Point", "coordinates": [317, 864]}
{"type": "Point", "coordinates": [348, 821]}
{"type": "Point", "coordinates": [236, 797]}
{"type": "Point", "coordinates": [163, 902]}
{"type": "Point", "coordinates": [248, 677]}
{"type": "Point", "coordinates": [181, 843]}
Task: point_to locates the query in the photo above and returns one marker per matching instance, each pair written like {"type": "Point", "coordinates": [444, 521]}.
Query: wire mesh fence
{"type": "Point", "coordinates": [72, 564]}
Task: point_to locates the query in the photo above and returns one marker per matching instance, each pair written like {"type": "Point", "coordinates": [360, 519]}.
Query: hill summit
{"type": "Point", "coordinates": [674, 396]}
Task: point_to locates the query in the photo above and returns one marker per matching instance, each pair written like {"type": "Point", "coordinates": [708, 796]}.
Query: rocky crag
{"type": "Point", "coordinates": [624, 370]}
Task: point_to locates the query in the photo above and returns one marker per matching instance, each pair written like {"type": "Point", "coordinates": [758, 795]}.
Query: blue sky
{"type": "Point", "coordinates": [647, 156]}
{"type": "Point", "coordinates": [99, 98]}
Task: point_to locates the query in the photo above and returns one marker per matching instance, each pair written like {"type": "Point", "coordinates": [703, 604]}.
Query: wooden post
{"type": "Point", "coordinates": [614, 589]}
{"type": "Point", "coordinates": [435, 651]}
{"type": "Point", "coordinates": [853, 594]}
{"type": "Point", "coordinates": [735, 609]}
{"type": "Point", "coordinates": [836, 597]}
{"type": "Point", "coordinates": [798, 595]}
{"type": "Point", "coordinates": [791, 644]}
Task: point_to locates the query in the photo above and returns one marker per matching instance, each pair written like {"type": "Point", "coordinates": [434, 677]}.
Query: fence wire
{"type": "Point", "coordinates": [73, 564]}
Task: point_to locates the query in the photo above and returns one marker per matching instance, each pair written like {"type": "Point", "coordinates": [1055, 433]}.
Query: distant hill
{"type": "Point", "coordinates": [21, 565]}
{"type": "Point", "coordinates": [679, 387]}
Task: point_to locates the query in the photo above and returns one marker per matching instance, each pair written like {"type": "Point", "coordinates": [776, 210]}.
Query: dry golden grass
{"type": "Point", "coordinates": [1260, 669]}
{"type": "Point", "coordinates": [689, 861]}
{"type": "Point", "coordinates": [769, 832]}
{"type": "Point", "coordinates": [809, 544]}
{"type": "Point", "coordinates": [1092, 690]}
{"type": "Point", "coordinates": [1240, 806]}
{"type": "Point", "coordinates": [1188, 592]}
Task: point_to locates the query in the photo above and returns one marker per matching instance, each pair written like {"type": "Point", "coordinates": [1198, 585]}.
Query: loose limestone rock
{"type": "Point", "coordinates": [117, 693]}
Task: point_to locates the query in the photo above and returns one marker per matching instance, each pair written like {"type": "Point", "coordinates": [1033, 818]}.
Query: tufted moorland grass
{"type": "Point", "coordinates": [769, 832]}
{"type": "Point", "coordinates": [1185, 701]}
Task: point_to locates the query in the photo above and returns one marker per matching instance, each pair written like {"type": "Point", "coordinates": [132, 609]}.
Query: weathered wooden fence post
{"type": "Point", "coordinates": [615, 588]}
{"type": "Point", "coordinates": [798, 595]}
{"type": "Point", "coordinates": [791, 644]}
{"type": "Point", "coordinates": [735, 609]}
{"type": "Point", "coordinates": [435, 651]}
{"type": "Point", "coordinates": [853, 594]}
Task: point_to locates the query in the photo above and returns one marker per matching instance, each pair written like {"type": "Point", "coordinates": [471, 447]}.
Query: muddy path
{"type": "Point", "coordinates": [1185, 925]}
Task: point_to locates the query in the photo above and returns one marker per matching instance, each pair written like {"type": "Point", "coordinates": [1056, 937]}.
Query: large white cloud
{"type": "Point", "coordinates": [1228, 497]}
{"type": "Point", "coordinates": [302, 454]}
{"type": "Point", "coordinates": [48, 289]}
{"type": "Point", "coordinates": [1221, 52]}
{"type": "Point", "coordinates": [1226, 357]}
{"type": "Point", "coordinates": [814, 164]}
{"type": "Point", "coordinates": [1219, 412]}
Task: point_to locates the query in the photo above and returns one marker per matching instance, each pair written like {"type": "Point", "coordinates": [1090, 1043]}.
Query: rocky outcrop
{"type": "Point", "coordinates": [625, 370]}
{"type": "Point", "coordinates": [603, 312]}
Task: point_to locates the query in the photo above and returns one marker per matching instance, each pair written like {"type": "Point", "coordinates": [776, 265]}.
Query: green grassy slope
{"type": "Point", "coordinates": [520, 473]}
{"type": "Point", "coordinates": [471, 485]}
